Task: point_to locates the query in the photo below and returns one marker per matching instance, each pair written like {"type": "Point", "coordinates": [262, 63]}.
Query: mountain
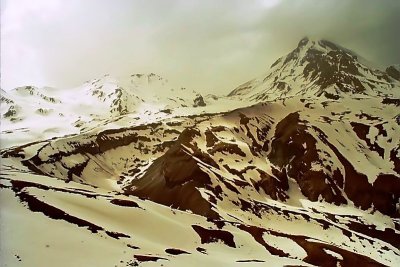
{"type": "Point", "coordinates": [303, 175]}
{"type": "Point", "coordinates": [40, 113]}
{"type": "Point", "coordinates": [320, 68]}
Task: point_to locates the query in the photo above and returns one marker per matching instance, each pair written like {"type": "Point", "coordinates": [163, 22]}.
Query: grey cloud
{"type": "Point", "coordinates": [209, 45]}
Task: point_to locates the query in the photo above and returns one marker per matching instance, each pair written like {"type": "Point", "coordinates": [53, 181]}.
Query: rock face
{"type": "Point", "coordinates": [173, 178]}
{"type": "Point", "coordinates": [310, 177]}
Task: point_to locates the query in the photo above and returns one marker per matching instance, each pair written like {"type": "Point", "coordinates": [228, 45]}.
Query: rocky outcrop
{"type": "Point", "coordinates": [394, 72]}
{"type": "Point", "coordinates": [199, 101]}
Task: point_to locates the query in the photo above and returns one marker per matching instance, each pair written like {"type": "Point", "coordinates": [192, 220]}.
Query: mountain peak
{"type": "Point", "coordinates": [303, 42]}
{"type": "Point", "coordinates": [320, 43]}
{"type": "Point", "coordinates": [321, 67]}
{"type": "Point", "coordinates": [320, 53]}
{"type": "Point", "coordinates": [307, 45]}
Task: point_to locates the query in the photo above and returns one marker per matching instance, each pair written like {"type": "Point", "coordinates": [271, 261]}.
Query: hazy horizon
{"type": "Point", "coordinates": [210, 46]}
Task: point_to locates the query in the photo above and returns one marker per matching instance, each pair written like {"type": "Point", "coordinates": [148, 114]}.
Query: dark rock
{"type": "Point", "coordinates": [199, 101]}
{"type": "Point", "coordinates": [213, 236]}
{"type": "Point", "coordinates": [393, 72]}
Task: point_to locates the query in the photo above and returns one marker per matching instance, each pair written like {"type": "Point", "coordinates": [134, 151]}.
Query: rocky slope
{"type": "Point", "coordinates": [304, 175]}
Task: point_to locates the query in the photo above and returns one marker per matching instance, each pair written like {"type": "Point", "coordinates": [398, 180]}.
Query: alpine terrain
{"type": "Point", "coordinates": [297, 167]}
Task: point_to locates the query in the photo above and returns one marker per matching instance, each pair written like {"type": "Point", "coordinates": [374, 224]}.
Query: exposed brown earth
{"type": "Point", "coordinates": [214, 236]}
{"type": "Point", "coordinates": [175, 251]}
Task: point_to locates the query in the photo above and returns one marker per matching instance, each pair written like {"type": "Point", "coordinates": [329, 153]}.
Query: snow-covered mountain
{"type": "Point", "coordinates": [319, 67]}
{"type": "Point", "coordinates": [301, 174]}
{"type": "Point", "coordinates": [33, 113]}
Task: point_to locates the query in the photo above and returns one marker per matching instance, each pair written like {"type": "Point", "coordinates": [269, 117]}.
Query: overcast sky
{"type": "Point", "coordinates": [209, 45]}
